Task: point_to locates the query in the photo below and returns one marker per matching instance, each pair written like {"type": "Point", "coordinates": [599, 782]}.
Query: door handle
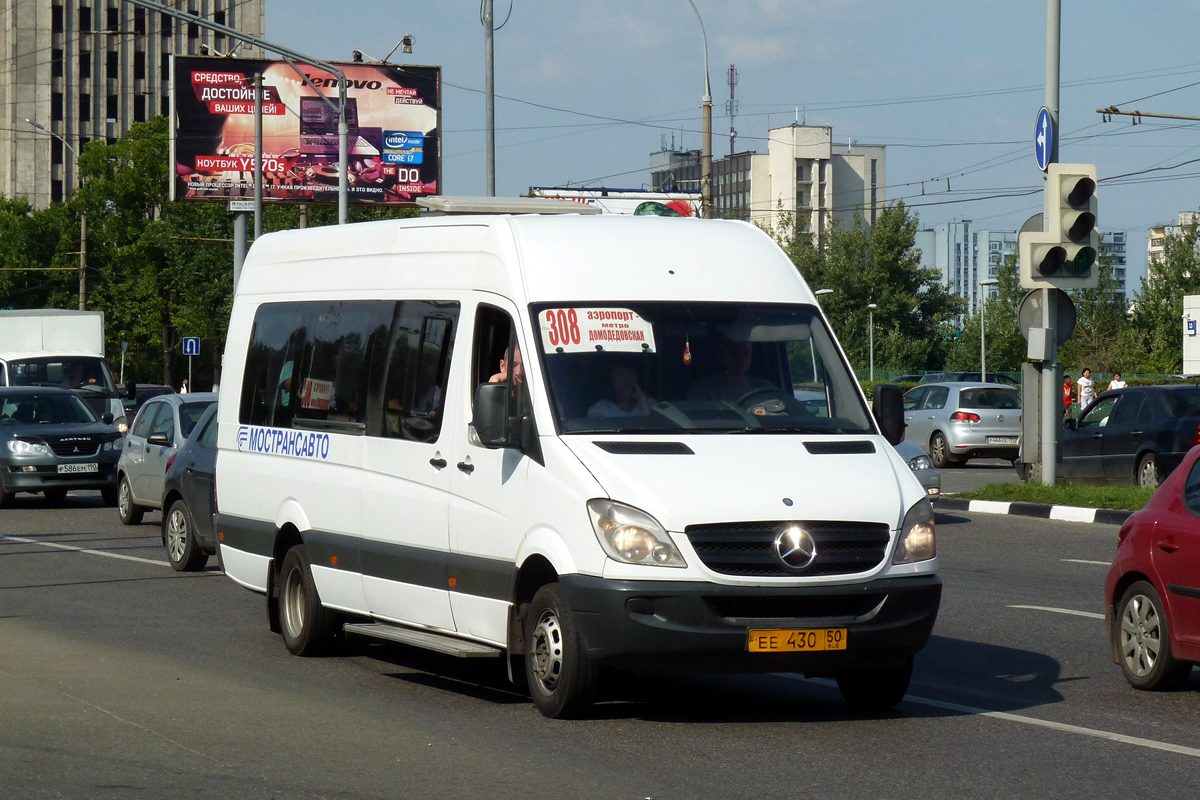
{"type": "Point", "coordinates": [1167, 546]}
{"type": "Point", "coordinates": [466, 466]}
{"type": "Point", "coordinates": [438, 462]}
{"type": "Point", "coordinates": [189, 469]}
{"type": "Point", "coordinates": [1135, 433]}
{"type": "Point", "coordinates": [1097, 435]}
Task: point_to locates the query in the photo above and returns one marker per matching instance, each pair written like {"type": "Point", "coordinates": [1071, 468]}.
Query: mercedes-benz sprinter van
{"type": "Point", "coordinates": [571, 442]}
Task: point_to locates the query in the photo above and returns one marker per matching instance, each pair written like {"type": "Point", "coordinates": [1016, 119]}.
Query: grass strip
{"type": "Point", "coordinates": [1118, 498]}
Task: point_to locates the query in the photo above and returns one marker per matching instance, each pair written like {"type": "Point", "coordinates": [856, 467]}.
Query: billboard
{"type": "Point", "coordinates": [393, 114]}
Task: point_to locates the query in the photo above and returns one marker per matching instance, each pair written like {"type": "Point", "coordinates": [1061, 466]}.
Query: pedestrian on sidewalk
{"type": "Point", "coordinates": [1087, 390]}
{"type": "Point", "coordinates": [1116, 382]}
{"type": "Point", "coordinates": [1068, 396]}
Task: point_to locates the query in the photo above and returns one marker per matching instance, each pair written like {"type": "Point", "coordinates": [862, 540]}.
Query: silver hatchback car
{"type": "Point", "coordinates": [958, 421]}
{"type": "Point", "coordinates": [160, 429]}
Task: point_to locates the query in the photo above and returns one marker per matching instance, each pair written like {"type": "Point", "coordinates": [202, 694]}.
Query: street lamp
{"type": "Point", "coordinates": [82, 215]}
{"type": "Point", "coordinates": [871, 333]}
{"type": "Point", "coordinates": [706, 144]}
{"type": "Point", "coordinates": [982, 320]}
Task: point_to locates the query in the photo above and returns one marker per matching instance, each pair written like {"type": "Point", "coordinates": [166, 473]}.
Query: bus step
{"type": "Point", "coordinates": [428, 640]}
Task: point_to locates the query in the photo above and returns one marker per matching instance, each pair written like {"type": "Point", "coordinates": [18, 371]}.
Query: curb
{"type": "Point", "coordinates": [1103, 516]}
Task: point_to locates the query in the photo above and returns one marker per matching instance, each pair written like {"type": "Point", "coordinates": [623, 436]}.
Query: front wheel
{"type": "Point", "coordinates": [562, 679]}
{"type": "Point", "coordinates": [876, 689]}
{"type": "Point", "coordinates": [1144, 642]}
{"type": "Point", "coordinates": [308, 627]}
{"type": "Point", "coordinates": [130, 513]}
{"type": "Point", "coordinates": [1147, 474]}
{"type": "Point", "coordinates": [109, 496]}
{"type": "Point", "coordinates": [179, 535]}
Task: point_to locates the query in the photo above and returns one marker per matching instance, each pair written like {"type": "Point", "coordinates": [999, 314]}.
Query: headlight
{"type": "Point", "coordinates": [916, 535]}
{"type": "Point", "coordinates": [20, 447]}
{"type": "Point", "coordinates": [123, 425]}
{"type": "Point", "coordinates": [632, 536]}
{"type": "Point", "coordinates": [920, 462]}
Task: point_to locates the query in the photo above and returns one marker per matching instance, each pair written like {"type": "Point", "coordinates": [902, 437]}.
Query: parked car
{"type": "Point", "coordinates": [1136, 435]}
{"type": "Point", "coordinates": [962, 377]}
{"type": "Point", "coordinates": [922, 466]}
{"type": "Point", "coordinates": [189, 495]}
{"type": "Point", "coordinates": [160, 429]}
{"type": "Point", "coordinates": [51, 442]}
{"type": "Point", "coordinates": [955, 422]}
{"type": "Point", "coordinates": [1152, 591]}
{"type": "Point", "coordinates": [141, 395]}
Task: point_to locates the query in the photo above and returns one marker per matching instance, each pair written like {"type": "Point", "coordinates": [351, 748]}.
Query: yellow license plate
{"type": "Point", "coordinates": [796, 640]}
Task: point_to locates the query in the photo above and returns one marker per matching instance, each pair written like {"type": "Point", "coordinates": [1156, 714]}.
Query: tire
{"type": "Point", "coordinates": [309, 629]}
{"type": "Point", "coordinates": [179, 536]}
{"type": "Point", "coordinates": [127, 510]}
{"type": "Point", "coordinates": [1148, 476]}
{"type": "Point", "coordinates": [939, 451]}
{"type": "Point", "coordinates": [1144, 642]}
{"type": "Point", "coordinates": [562, 679]}
{"type": "Point", "coordinates": [55, 496]}
{"type": "Point", "coordinates": [5, 497]}
{"type": "Point", "coordinates": [109, 497]}
{"type": "Point", "coordinates": [876, 689]}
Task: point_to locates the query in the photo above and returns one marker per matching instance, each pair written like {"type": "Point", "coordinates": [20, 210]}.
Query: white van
{"type": "Point", "coordinates": [570, 441]}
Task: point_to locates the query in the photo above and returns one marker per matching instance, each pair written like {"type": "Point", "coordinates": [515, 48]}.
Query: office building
{"type": "Point", "coordinates": [88, 69]}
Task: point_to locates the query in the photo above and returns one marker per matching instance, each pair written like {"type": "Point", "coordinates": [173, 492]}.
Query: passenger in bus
{"type": "Point", "coordinates": [625, 397]}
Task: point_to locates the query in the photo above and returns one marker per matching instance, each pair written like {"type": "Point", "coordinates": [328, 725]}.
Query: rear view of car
{"type": "Point", "coordinates": [189, 497]}
{"type": "Point", "coordinates": [959, 421]}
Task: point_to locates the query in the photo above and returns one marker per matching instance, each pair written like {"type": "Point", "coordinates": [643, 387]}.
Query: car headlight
{"type": "Point", "coordinates": [920, 462]}
{"type": "Point", "coordinates": [123, 425]}
{"type": "Point", "coordinates": [20, 447]}
{"type": "Point", "coordinates": [632, 536]}
{"type": "Point", "coordinates": [916, 535]}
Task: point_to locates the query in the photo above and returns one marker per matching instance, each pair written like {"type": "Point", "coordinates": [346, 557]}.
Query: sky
{"type": "Point", "coordinates": [586, 90]}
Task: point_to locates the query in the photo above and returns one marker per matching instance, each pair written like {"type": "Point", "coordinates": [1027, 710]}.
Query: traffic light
{"type": "Point", "coordinates": [1064, 255]}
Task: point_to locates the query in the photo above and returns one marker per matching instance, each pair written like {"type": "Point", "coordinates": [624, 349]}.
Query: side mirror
{"type": "Point", "coordinates": [888, 406]}
{"type": "Point", "coordinates": [158, 439]}
{"type": "Point", "coordinates": [1069, 424]}
{"type": "Point", "coordinates": [490, 419]}
{"type": "Point", "coordinates": [107, 418]}
{"type": "Point", "coordinates": [130, 390]}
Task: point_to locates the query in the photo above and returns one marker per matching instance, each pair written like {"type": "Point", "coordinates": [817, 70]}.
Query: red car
{"type": "Point", "coordinates": [1152, 592]}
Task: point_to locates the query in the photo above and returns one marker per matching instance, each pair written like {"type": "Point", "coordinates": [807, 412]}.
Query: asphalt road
{"type": "Point", "coordinates": [976, 473]}
{"type": "Point", "coordinates": [122, 679]}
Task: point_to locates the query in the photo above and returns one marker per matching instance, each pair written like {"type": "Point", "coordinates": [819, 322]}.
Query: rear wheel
{"type": "Point", "coordinates": [876, 689]}
{"type": "Point", "coordinates": [1147, 473]}
{"type": "Point", "coordinates": [179, 535]}
{"type": "Point", "coordinates": [130, 513]}
{"type": "Point", "coordinates": [939, 451]}
{"type": "Point", "coordinates": [308, 627]}
{"type": "Point", "coordinates": [1144, 642]}
{"type": "Point", "coordinates": [562, 679]}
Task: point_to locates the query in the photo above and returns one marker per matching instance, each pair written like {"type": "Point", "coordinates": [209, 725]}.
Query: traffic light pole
{"type": "Point", "coordinates": [1051, 412]}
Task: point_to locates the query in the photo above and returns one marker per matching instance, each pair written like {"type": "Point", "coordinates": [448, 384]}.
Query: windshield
{"type": "Point", "coordinates": [702, 367]}
{"type": "Point", "coordinates": [69, 372]}
{"type": "Point", "coordinates": [989, 397]}
{"type": "Point", "coordinates": [43, 409]}
{"type": "Point", "coordinates": [190, 414]}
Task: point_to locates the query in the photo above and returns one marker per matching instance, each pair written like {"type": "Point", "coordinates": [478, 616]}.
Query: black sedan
{"type": "Point", "coordinates": [51, 442]}
{"type": "Point", "coordinates": [1136, 435]}
{"type": "Point", "coordinates": [189, 497]}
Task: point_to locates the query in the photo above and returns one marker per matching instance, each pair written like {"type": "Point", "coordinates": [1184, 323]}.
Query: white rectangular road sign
{"type": "Point", "coordinates": [1191, 334]}
{"type": "Point", "coordinates": [240, 205]}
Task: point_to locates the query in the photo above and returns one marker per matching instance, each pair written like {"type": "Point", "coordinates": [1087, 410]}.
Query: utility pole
{"type": "Point", "coordinates": [706, 145]}
{"type": "Point", "coordinates": [490, 95]}
{"type": "Point", "coordinates": [82, 214]}
{"type": "Point", "coordinates": [1051, 411]}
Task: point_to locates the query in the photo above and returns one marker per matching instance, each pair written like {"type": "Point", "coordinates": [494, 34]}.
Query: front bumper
{"type": "Point", "coordinates": [695, 626]}
{"type": "Point", "coordinates": [46, 477]}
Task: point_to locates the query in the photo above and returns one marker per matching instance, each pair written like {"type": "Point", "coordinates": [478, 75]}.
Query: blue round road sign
{"type": "Point", "coordinates": [1043, 139]}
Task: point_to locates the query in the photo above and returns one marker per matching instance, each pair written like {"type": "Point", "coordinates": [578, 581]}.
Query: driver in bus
{"type": "Point", "coordinates": [729, 383]}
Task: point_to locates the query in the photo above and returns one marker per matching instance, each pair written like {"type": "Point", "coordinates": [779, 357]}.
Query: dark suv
{"type": "Point", "coordinates": [51, 442]}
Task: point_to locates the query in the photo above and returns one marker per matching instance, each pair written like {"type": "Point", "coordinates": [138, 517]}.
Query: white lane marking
{"type": "Point", "coordinates": [989, 506]}
{"type": "Point", "coordinates": [1040, 723]}
{"type": "Point", "coordinates": [1073, 612]}
{"type": "Point", "coordinates": [1085, 561]}
{"type": "Point", "coordinates": [1073, 513]}
{"type": "Point", "coordinates": [58, 546]}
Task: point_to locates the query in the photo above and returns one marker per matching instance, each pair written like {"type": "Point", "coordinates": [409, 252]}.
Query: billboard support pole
{"type": "Point", "coordinates": [288, 54]}
{"type": "Point", "coordinates": [239, 244]}
{"type": "Point", "coordinates": [258, 148]}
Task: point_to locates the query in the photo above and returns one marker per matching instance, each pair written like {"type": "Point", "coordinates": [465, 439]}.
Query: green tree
{"type": "Point", "coordinates": [1006, 348]}
{"type": "Point", "coordinates": [1159, 309]}
{"type": "Point", "coordinates": [1100, 318]}
{"type": "Point", "coordinates": [879, 264]}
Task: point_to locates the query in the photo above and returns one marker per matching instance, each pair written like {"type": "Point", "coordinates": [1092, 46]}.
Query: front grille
{"type": "Point", "coordinates": [74, 446]}
{"type": "Point", "coordinates": [748, 548]}
{"type": "Point", "coordinates": [802, 607]}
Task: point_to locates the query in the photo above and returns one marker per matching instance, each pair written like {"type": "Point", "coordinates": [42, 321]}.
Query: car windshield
{"type": "Point", "coordinates": [663, 367]}
{"type": "Point", "coordinates": [989, 398]}
{"type": "Point", "coordinates": [69, 372]}
{"type": "Point", "coordinates": [43, 409]}
{"type": "Point", "coordinates": [1183, 402]}
{"type": "Point", "coordinates": [189, 415]}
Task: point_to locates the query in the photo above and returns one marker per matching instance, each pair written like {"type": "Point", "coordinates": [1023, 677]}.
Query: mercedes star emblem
{"type": "Point", "coordinates": [795, 547]}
